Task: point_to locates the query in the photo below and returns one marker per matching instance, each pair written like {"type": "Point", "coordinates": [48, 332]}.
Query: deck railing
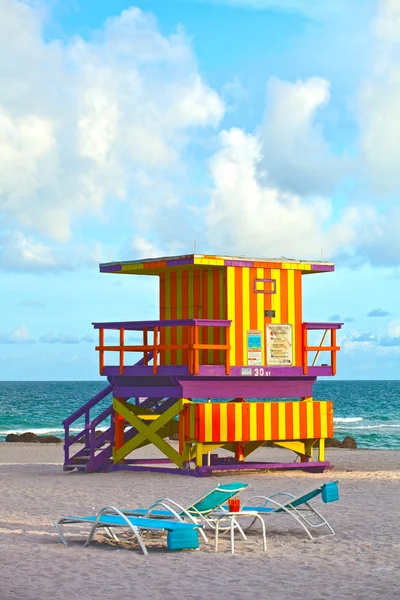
{"type": "Point", "coordinates": [154, 347]}
{"type": "Point", "coordinates": [332, 348]}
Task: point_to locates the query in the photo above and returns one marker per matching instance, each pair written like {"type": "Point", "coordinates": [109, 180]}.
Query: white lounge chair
{"type": "Point", "coordinates": [180, 535]}
{"type": "Point", "coordinates": [297, 507]}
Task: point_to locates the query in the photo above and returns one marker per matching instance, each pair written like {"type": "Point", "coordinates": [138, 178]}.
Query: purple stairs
{"type": "Point", "coordinates": [95, 454]}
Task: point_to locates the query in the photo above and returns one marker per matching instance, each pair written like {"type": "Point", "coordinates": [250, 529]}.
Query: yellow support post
{"type": "Point", "coordinates": [199, 454]}
{"type": "Point", "coordinates": [321, 450]}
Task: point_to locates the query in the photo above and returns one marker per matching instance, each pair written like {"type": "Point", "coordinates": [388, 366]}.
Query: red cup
{"type": "Point", "coordinates": [234, 504]}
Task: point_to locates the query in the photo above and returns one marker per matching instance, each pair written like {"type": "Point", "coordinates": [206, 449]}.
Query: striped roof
{"type": "Point", "coordinates": [153, 266]}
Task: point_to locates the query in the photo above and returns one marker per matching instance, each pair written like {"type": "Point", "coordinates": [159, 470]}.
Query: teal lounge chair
{"type": "Point", "coordinates": [297, 507]}
{"type": "Point", "coordinates": [180, 535]}
{"type": "Point", "coordinates": [196, 512]}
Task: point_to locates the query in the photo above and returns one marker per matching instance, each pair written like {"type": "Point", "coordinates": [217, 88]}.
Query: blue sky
{"type": "Point", "coordinates": [254, 127]}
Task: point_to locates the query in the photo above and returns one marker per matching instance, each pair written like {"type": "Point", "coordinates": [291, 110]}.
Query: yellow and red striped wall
{"type": "Point", "coordinates": [192, 294]}
{"type": "Point", "coordinates": [257, 421]}
{"type": "Point", "coordinates": [235, 293]}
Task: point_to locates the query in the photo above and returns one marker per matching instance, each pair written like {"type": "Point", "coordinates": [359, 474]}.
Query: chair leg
{"type": "Point", "coordinates": [140, 540]}
{"type": "Point", "coordinates": [111, 534]}
{"type": "Point", "coordinates": [91, 534]}
{"type": "Point", "coordinates": [300, 522]}
{"type": "Point", "coordinates": [134, 530]}
{"type": "Point", "coordinates": [323, 522]}
{"type": "Point", "coordinates": [203, 534]}
{"type": "Point", "coordinates": [57, 525]}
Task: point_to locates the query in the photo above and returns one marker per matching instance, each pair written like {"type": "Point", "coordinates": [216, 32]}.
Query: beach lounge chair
{"type": "Point", "coordinates": [196, 512]}
{"type": "Point", "coordinates": [179, 535]}
{"type": "Point", "coordinates": [298, 507]}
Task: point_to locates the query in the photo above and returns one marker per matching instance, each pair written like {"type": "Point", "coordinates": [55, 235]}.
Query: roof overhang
{"type": "Point", "coordinates": [153, 266]}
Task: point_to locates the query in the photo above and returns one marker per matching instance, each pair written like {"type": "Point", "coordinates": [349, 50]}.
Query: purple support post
{"type": "Point", "coordinates": [66, 443]}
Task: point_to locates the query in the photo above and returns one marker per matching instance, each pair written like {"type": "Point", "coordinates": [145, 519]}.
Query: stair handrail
{"type": "Point", "coordinates": [88, 405]}
{"type": "Point", "coordinates": [89, 431]}
{"type": "Point", "coordinates": [83, 410]}
{"type": "Point", "coordinates": [97, 442]}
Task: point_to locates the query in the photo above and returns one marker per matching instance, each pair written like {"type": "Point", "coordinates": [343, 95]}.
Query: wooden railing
{"type": "Point", "coordinates": [151, 349]}
{"type": "Point", "coordinates": [332, 348]}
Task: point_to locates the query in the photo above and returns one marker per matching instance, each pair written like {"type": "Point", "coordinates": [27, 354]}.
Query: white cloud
{"type": "Point", "coordinates": [378, 312]}
{"type": "Point", "coordinates": [24, 253]}
{"type": "Point", "coordinates": [393, 328]}
{"type": "Point", "coordinates": [58, 338]}
{"type": "Point", "coordinates": [272, 189]}
{"type": "Point", "coordinates": [145, 248]}
{"type": "Point", "coordinates": [234, 93]}
{"type": "Point", "coordinates": [18, 335]}
{"type": "Point", "coordinates": [90, 122]}
{"type": "Point", "coordinates": [385, 343]}
{"type": "Point", "coordinates": [81, 122]}
{"type": "Point", "coordinates": [379, 103]}
{"type": "Point", "coordinates": [250, 213]}
{"type": "Point", "coordinates": [18, 252]}
{"type": "Point", "coordinates": [374, 351]}
{"type": "Point", "coordinates": [377, 241]}
{"type": "Point", "coordinates": [89, 339]}
{"type": "Point", "coordinates": [295, 152]}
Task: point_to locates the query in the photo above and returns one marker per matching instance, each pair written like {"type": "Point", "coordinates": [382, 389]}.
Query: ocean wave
{"type": "Point", "coordinates": [40, 431]}
{"type": "Point", "coordinates": [347, 419]}
{"type": "Point", "coordinates": [378, 426]}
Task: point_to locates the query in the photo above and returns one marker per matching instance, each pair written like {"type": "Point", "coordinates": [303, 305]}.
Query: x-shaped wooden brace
{"type": "Point", "coordinates": [148, 432]}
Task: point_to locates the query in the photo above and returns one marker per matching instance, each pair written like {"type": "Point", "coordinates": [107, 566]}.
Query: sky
{"type": "Point", "coordinates": [263, 128]}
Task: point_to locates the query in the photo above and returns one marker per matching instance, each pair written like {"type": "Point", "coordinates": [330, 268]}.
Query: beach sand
{"type": "Point", "coordinates": [362, 561]}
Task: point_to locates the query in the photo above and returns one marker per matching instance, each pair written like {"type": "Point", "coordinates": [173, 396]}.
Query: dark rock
{"type": "Point", "coordinates": [80, 441]}
{"type": "Point", "coordinates": [332, 443]}
{"type": "Point", "coordinates": [349, 442]}
{"type": "Point", "coordinates": [49, 439]}
{"type": "Point", "coordinates": [28, 436]}
{"type": "Point", "coordinates": [174, 436]}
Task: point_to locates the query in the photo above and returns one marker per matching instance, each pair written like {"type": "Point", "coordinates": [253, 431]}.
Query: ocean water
{"type": "Point", "coordinates": [369, 411]}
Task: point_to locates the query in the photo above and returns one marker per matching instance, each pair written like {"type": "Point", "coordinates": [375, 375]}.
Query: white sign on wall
{"type": "Point", "coordinates": [279, 344]}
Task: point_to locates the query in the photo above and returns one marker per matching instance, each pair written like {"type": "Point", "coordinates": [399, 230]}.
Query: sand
{"type": "Point", "coordinates": [362, 561]}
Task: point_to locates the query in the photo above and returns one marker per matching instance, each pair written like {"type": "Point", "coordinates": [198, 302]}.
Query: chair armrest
{"type": "Point", "coordinates": [169, 505]}
{"type": "Point", "coordinates": [112, 510]}
{"type": "Point", "coordinates": [267, 499]}
{"type": "Point", "coordinates": [282, 494]}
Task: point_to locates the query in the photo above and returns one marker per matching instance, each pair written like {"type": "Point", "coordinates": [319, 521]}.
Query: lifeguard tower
{"type": "Point", "coordinates": [227, 365]}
